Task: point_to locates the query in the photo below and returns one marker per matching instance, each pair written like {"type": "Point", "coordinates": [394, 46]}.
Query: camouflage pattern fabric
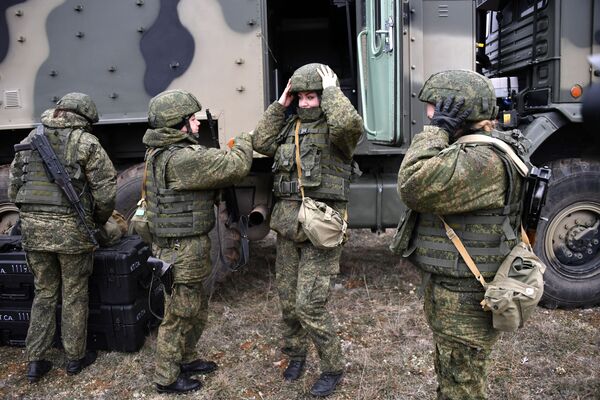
{"type": "Point", "coordinates": [442, 178]}
{"type": "Point", "coordinates": [186, 309]}
{"type": "Point", "coordinates": [191, 168]}
{"type": "Point", "coordinates": [303, 278]}
{"type": "Point", "coordinates": [477, 90]}
{"type": "Point", "coordinates": [303, 271]}
{"type": "Point", "coordinates": [439, 178]}
{"type": "Point", "coordinates": [463, 335]}
{"type": "Point", "coordinates": [343, 121]}
{"type": "Point", "coordinates": [63, 233]}
{"type": "Point", "coordinates": [50, 271]}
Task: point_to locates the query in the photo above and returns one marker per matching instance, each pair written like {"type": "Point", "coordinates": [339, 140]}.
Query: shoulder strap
{"type": "Point", "coordinates": [500, 145]}
{"type": "Point", "coordinates": [298, 164]}
{"type": "Point", "coordinates": [463, 252]}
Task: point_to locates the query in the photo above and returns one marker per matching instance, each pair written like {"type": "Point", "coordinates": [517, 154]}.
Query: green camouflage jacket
{"type": "Point", "coordinates": [442, 178]}
{"type": "Point", "coordinates": [63, 233]}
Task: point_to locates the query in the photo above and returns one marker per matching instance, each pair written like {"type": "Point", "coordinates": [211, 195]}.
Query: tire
{"type": "Point", "coordinates": [569, 241]}
{"type": "Point", "coordinates": [9, 213]}
{"type": "Point", "coordinates": [129, 189]}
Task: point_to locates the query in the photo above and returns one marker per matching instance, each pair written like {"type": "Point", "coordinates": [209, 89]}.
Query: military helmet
{"type": "Point", "coordinates": [307, 79]}
{"type": "Point", "coordinates": [477, 90]}
{"type": "Point", "coordinates": [79, 103]}
{"type": "Point", "coordinates": [172, 107]}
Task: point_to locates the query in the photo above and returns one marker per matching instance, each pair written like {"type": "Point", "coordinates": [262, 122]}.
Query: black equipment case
{"type": "Point", "coordinates": [120, 314]}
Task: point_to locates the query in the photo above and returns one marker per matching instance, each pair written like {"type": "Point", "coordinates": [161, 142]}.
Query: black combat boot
{"type": "Point", "coordinates": [294, 370]}
{"type": "Point", "coordinates": [183, 384]}
{"type": "Point", "coordinates": [37, 369]}
{"type": "Point", "coordinates": [75, 366]}
{"type": "Point", "coordinates": [326, 384]}
{"type": "Point", "coordinates": [199, 366]}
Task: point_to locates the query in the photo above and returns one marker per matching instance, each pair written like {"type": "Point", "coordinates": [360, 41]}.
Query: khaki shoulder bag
{"type": "Point", "coordinates": [324, 226]}
{"type": "Point", "coordinates": [517, 287]}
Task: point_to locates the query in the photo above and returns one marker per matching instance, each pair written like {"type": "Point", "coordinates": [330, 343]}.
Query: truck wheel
{"type": "Point", "coordinates": [9, 213]}
{"type": "Point", "coordinates": [129, 189]}
{"type": "Point", "coordinates": [569, 241]}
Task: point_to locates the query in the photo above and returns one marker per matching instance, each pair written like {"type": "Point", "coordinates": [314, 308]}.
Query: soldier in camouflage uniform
{"type": "Point", "coordinates": [478, 192]}
{"type": "Point", "coordinates": [182, 182]}
{"type": "Point", "coordinates": [59, 249]}
{"type": "Point", "coordinates": [329, 129]}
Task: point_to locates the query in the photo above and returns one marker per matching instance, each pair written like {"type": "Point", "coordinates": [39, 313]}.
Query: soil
{"type": "Point", "coordinates": [386, 342]}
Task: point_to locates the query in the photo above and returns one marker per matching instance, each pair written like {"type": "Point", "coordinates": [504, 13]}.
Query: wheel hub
{"type": "Point", "coordinates": [575, 235]}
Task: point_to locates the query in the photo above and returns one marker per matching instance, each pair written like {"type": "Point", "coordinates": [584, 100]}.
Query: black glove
{"type": "Point", "coordinates": [449, 117]}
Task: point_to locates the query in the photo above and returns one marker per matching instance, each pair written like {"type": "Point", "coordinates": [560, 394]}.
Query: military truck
{"type": "Point", "coordinates": [237, 55]}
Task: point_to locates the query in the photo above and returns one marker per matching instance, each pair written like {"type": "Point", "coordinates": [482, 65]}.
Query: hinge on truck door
{"type": "Point", "coordinates": [405, 13]}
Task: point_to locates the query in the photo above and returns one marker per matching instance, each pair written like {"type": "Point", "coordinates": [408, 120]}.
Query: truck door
{"type": "Point", "coordinates": [377, 48]}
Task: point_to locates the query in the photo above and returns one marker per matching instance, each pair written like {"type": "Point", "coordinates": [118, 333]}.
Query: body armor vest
{"type": "Point", "coordinates": [488, 235]}
{"type": "Point", "coordinates": [173, 213]}
{"type": "Point", "coordinates": [38, 193]}
{"type": "Point", "coordinates": [325, 170]}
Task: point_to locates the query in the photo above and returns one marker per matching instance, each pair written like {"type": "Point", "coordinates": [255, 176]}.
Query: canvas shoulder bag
{"type": "Point", "coordinates": [324, 226]}
{"type": "Point", "coordinates": [517, 287]}
{"type": "Point", "coordinates": [139, 221]}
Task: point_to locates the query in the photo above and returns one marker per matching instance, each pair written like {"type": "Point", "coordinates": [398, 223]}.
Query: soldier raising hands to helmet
{"type": "Point", "coordinates": [478, 192]}
{"type": "Point", "coordinates": [328, 127]}
{"type": "Point", "coordinates": [181, 188]}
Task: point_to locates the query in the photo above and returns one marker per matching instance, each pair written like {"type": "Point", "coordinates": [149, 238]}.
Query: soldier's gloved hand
{"type": "Point", "coordinates": [327, 75]}
{"type": "Point", "coordinates": [447, 115]}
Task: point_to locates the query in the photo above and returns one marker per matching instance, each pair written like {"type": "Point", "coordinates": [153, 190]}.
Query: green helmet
{"type": "Point", "coordinates": [172, 107]}
{"type": "Point", "coordinates": [476, 89]}
{"type": "Point", "coordinates": [79, 103]}
{"type": "Point", "coordinates": [307, 79]}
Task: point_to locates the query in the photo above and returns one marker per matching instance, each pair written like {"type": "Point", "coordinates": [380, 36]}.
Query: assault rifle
{"type": "Point", "coordinates": [232, 207]}
{"type": "Point", "coordinates": [57, 173]}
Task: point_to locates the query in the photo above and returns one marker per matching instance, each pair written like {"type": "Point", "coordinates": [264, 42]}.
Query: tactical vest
{"type": "Point", "coordinates": [325, 170]}
{"type": "Point", "coordinates": [38, 194]}
{"type": "Point", "coordinates": [488, 235]}
{"type": "Point", "coordinates": [173, 213]}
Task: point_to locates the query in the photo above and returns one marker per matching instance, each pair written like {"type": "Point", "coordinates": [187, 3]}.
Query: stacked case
{"type": "Point", "coordinates": [123, 301]}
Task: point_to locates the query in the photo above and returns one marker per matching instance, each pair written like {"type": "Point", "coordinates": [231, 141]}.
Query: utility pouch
{"type": "Point", "coordinates": [324, 226]}
{"type": "Point", "coordinates": [401, 239]}
{"type": "Point", "coordinates": [517, 288]}
{"type": "Point", "coordinates": [139, 222]}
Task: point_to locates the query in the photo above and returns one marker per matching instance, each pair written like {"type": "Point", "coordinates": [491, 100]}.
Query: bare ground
{"type": "Point", "coordinates": [386, 342]}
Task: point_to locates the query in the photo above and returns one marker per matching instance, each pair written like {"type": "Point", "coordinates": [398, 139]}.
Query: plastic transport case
{"type": "Point", "coordinates": [122, 308]}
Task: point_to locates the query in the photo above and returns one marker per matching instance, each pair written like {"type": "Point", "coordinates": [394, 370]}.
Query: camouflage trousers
{"type": "Point", "coordinates": [50, 270]}
{"type": "Point", "coordinates": [303, 277]}
{"type": "Point", "coordinates": [463, 335]}
{"type": "Point", "coordinates": [186, 309]}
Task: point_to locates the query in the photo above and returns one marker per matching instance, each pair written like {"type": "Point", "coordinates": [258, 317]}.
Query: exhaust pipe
{"type": "Point", "coordinates": [258, 226]}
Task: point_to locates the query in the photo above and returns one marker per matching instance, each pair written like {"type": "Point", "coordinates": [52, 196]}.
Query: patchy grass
{"type": "Point", "coordinates": [386, 342]}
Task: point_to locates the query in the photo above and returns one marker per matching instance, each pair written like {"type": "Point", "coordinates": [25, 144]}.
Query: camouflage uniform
{"type": "Point", "coordinates": [479, 194]}
{"type": "Point", "coordinates": [59, 250]}
{"type": "Point", "coordinates": [182, 180]}
{"type": "Point", "coordinates": [303, 271]}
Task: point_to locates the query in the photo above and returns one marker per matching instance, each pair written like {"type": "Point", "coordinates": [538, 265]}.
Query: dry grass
{"type": "Point", "coordinates": [386, 342]}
